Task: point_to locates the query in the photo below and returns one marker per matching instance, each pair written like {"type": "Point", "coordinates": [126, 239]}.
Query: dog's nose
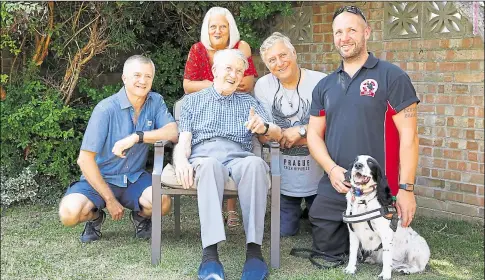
{"type": "Point", "coordinates": [358, 165]}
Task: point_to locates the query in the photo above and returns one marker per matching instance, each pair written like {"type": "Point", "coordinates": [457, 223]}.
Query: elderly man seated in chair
{"type": "Point", "coordinates": [216, 126]}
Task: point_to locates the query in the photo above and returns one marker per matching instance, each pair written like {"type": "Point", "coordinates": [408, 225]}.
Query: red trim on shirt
{"type": "Point", "coordinates": [391, 150]}
{"type": "Point", "coordinates": [321, 113]}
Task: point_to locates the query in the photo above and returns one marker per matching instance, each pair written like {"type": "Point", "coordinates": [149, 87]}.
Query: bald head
{"type": "Point", "coordinates": [349, 9]}
{"type": "Point", "coordinates": [350, 33]}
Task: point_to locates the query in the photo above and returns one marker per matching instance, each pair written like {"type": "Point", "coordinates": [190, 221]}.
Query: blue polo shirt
{"type": "Point", "coordinates": [111, 121]}
{"type": "Point", "coordinates": [358, 111]}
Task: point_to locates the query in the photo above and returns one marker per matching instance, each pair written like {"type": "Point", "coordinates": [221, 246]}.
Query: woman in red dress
{"type": "Point", "coordinates": [219, 31]}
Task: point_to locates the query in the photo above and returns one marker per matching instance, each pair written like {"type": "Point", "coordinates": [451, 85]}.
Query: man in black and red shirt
{"type": "Point", "coordinates": [366, 107]}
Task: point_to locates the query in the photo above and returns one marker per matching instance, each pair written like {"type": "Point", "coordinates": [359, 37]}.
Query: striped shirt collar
{"type": "Point", "coordinates": [219, 96]}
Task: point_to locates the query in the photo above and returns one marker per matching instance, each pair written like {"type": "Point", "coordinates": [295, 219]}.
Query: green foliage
{"type": "Point", "coordinates": [3, 79]}
{"type": "Point", "coordinates": [169, 68]}
{"type": "Point", "coordinates": [17, 18]}
{"type": "Point", "coordinates": [19, 188]}
{"type": "Point", "coordinates": [95, 95]}
{"type": "Point", "coordinates": [256, 19]}
{"type": "Point", "coordinates": [37, 127]}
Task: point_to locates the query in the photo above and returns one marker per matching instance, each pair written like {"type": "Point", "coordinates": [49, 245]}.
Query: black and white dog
{"type": "Point", "coordinates": [372, 221]}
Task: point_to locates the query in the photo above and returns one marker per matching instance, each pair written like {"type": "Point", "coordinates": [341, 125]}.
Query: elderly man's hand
{"type": "Point", "coordinates": [406, 207]}
{"type": "Point", "coordinates": [290, 137]}
{"type": "Point", "coordinates": [124, 144]}
{"type": "Point", "coordinates": [185, 173]}
{"type": "Point", "coordinates": [255, 123]}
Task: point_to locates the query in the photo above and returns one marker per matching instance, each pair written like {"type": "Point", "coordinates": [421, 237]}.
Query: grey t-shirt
{"type": "Point", "coordinates": [300, 173]}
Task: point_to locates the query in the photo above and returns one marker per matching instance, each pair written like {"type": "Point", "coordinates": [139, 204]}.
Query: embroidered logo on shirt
{"type": "Point", "coordinates": [368, 87]}
{"type": "Point", "coordinates": [149, 123]}
{"type": "Point", "coordinates": [321, 113]}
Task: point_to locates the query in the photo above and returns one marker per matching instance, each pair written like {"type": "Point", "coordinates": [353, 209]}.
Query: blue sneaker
{"type": "Point", "coordinates": [211, 270]}
{"type": "Point", "coordinates": [92, 229]}
{"type": "Point", "coordinates": [255, 269]}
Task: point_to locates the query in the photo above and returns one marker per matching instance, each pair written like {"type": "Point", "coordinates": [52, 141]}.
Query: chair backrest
{"type": "Point", "coordinates": [177, 108]}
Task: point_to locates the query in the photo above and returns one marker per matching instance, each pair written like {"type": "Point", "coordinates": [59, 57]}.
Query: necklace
{"type": "Point", "coordinates": [288, 98]}
{"type": "Point", "coordinates": [277, 108]}
{"type": "Point", "coordinates": [285, 91]}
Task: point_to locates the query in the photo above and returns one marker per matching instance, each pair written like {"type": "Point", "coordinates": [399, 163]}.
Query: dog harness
{"type": "Point", "coordinates": [388, 212]}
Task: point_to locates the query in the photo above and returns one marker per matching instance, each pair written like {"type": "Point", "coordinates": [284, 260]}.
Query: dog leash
{"type": "Point", "coordinates": [329, 261]}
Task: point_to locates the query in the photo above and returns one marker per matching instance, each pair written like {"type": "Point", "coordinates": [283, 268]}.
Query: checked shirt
{"type": "Point", "coordinates": [207, 114]}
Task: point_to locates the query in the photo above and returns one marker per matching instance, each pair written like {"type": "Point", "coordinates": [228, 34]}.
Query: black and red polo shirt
{"type": "Point", "coordinates": [359, 112]}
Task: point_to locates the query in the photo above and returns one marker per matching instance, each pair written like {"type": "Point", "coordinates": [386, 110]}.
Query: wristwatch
{"type": "Point", "coordinates": [407, 187]}
{"type": "Point", "coordinates": [266, 125]}
{"type": "Point", "coordinates": [302, 131]}
{"type": "Point", "coordinates": [140, 136]}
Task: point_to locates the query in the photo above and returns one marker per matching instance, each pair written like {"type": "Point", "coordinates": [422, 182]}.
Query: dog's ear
{"type": "Point", "coordinates": [351, 165]}
{"type": "Point", "coordinates": [383, 191]}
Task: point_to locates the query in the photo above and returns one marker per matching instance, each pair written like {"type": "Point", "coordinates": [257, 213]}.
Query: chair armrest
{"type": "Point", "coordinates": [274, 150]}
{"type": "Point", "coordinates": [158, 156]}
{"type": "Point", "coordinates": [164, 143]}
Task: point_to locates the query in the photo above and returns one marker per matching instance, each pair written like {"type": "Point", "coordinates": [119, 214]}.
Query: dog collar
{"type": "Point", "coordinates": [359, 192]}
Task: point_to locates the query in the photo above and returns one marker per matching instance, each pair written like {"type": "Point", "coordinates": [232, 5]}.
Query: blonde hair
{"type": "Point", "coordinates": [222, 56]}
{"type": "Point", "coordinates": [271, 41]}
{"type": "Point", "coordinates": [234, 35]}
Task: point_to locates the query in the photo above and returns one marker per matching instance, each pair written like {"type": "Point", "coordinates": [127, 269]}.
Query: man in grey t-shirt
{"type": "Point", "coordinates": [286, 95]}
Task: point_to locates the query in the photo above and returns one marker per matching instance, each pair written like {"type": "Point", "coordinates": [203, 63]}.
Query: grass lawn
{"type": "Point", "coordinates": [34, 245]}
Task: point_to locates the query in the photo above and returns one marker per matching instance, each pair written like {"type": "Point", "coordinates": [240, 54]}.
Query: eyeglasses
{"type": "Point", "coordinates": [351, 9]}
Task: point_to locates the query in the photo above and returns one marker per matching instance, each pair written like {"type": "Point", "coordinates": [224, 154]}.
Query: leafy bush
{"type": "Point", "coordinates": [169, 68]}
{"type": "Point", "coordinates": [19, 188]}
{"type": "Point", "coordinates": [37, 127]}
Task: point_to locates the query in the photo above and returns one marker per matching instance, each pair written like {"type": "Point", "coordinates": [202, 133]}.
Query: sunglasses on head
{"type": "Point", "coordinates": [351, 9]}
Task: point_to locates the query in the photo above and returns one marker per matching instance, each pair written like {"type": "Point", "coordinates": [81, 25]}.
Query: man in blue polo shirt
{"type": "Point", "coordinates": [367, 106]}
{"type": "Point", "coordinates": [114, 153]}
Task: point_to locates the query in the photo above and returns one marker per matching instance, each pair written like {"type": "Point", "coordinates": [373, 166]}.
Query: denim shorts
{"type": "Point", "coordinates": [129, 197]}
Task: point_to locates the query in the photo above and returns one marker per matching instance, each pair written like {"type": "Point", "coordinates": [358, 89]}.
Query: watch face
{"type": "Point", "coordinates": [302, 131]}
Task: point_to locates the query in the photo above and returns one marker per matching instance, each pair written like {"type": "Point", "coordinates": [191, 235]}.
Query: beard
{"type": "Point", "coordinates": [353, 55]}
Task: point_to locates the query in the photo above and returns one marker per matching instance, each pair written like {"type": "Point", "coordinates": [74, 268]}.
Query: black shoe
{"type": "Point", "coordinates": [92, 229]}
{"type": "Point", "coordinates": [143, 226]}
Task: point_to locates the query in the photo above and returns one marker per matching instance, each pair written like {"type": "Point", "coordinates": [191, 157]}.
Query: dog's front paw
{"type": "Point", "coordinates": [350, 269]}
{"type": "Point", "coordinates": [384, 276]}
